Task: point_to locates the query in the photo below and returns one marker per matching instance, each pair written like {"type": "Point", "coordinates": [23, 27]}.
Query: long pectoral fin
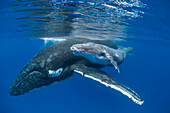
{"type": "Point", "coordinates": [115, 65]}
{"type": "Point", "coordinates": [107, 80]}
{"type": "Point", "coordinates": [113, 62]}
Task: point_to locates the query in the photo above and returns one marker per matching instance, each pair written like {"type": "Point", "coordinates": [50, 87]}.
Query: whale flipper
{"type": "Point", "coordinates": [107, 80]}
{"type": "Point", "coordinates": [115, 65]}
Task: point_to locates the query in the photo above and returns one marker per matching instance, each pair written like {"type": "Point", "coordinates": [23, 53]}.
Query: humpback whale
{"type": "Point", "coordinates": [101, 54]}
{"type": "Point", "coordinates": [59, 61]}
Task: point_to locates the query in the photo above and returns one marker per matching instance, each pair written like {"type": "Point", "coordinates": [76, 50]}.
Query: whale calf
{"type": "Point", "coordinates": [57, 62]}
{"type": "Point", "coordinates": [101, 54]}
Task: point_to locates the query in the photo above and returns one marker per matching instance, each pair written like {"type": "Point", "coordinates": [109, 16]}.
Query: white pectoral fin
{"type": "Point", "coordinates": [109, 81]}
{"type": "Point", "coordinates": [115, 65]}
{"type": "Point", "coordinates": [113, 62]}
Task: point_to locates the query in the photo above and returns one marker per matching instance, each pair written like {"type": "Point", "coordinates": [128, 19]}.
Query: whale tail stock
{"type": "Point", "coordinates": [126, 49]}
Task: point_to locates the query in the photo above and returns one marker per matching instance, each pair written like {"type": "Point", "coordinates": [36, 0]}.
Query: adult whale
{"type": "Point", "coordinates": [57, 62]}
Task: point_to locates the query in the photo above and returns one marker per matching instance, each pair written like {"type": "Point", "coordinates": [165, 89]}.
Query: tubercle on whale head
{"type": "Point", "coordinates": [32, 76]}
{"type": "Point", "coordinates": [86, 48]}
{"type": "Point", "coordinates": [76, 49]}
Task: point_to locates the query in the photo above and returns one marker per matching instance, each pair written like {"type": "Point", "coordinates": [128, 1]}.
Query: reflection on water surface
{"type": "Point", "coordinates": [62, 18]}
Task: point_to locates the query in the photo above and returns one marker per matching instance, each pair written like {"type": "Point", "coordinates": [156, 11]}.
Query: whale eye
{"type": "Point", "coordinates": [102, 54]}
{"type": "Point", "coordinates": [56, 73]}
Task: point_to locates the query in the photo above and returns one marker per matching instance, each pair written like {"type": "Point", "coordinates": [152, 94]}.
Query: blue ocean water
{"type": "Point", "coordinates": [145, 27]}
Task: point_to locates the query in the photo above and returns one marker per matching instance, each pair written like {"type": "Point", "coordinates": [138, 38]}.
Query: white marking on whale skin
{"type": "Point", "coordinates": [49, 59]}
{"type": "Point", "coordinates": [78, 72]}
{"type": "Point", "coordinates": [116, 54]}
{"type": "Point", "coordinates": [56, 73]}
{"type": "Point", "coordinates": [72, 48]}
{"type": "Point", "coordinates": [42, 63]}
{"type": "Point", "coordinates": [112, 86]}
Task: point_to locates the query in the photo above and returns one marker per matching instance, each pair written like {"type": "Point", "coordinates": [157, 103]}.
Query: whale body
{"type": "Point", "coordinates": [57, 62]}
{"type": "Point", "coordinates": [101, 54]}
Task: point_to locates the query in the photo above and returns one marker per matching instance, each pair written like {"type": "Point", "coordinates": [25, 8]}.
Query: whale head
{"type": "Point", "coordinates": [34, 76]}
{"type": "Point", "coordinates": [28, 79]}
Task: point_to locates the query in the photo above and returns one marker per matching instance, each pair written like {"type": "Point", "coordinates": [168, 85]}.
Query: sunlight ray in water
{"type": "Point", "coordinates": [52, 39]}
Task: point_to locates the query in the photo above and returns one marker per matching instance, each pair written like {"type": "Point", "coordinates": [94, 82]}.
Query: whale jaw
{"type": "Point", "coordinates": [27, 82]}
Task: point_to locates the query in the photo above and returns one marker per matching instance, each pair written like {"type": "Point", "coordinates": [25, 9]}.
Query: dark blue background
{"type": "Point", "coordinates": [146, 71]}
